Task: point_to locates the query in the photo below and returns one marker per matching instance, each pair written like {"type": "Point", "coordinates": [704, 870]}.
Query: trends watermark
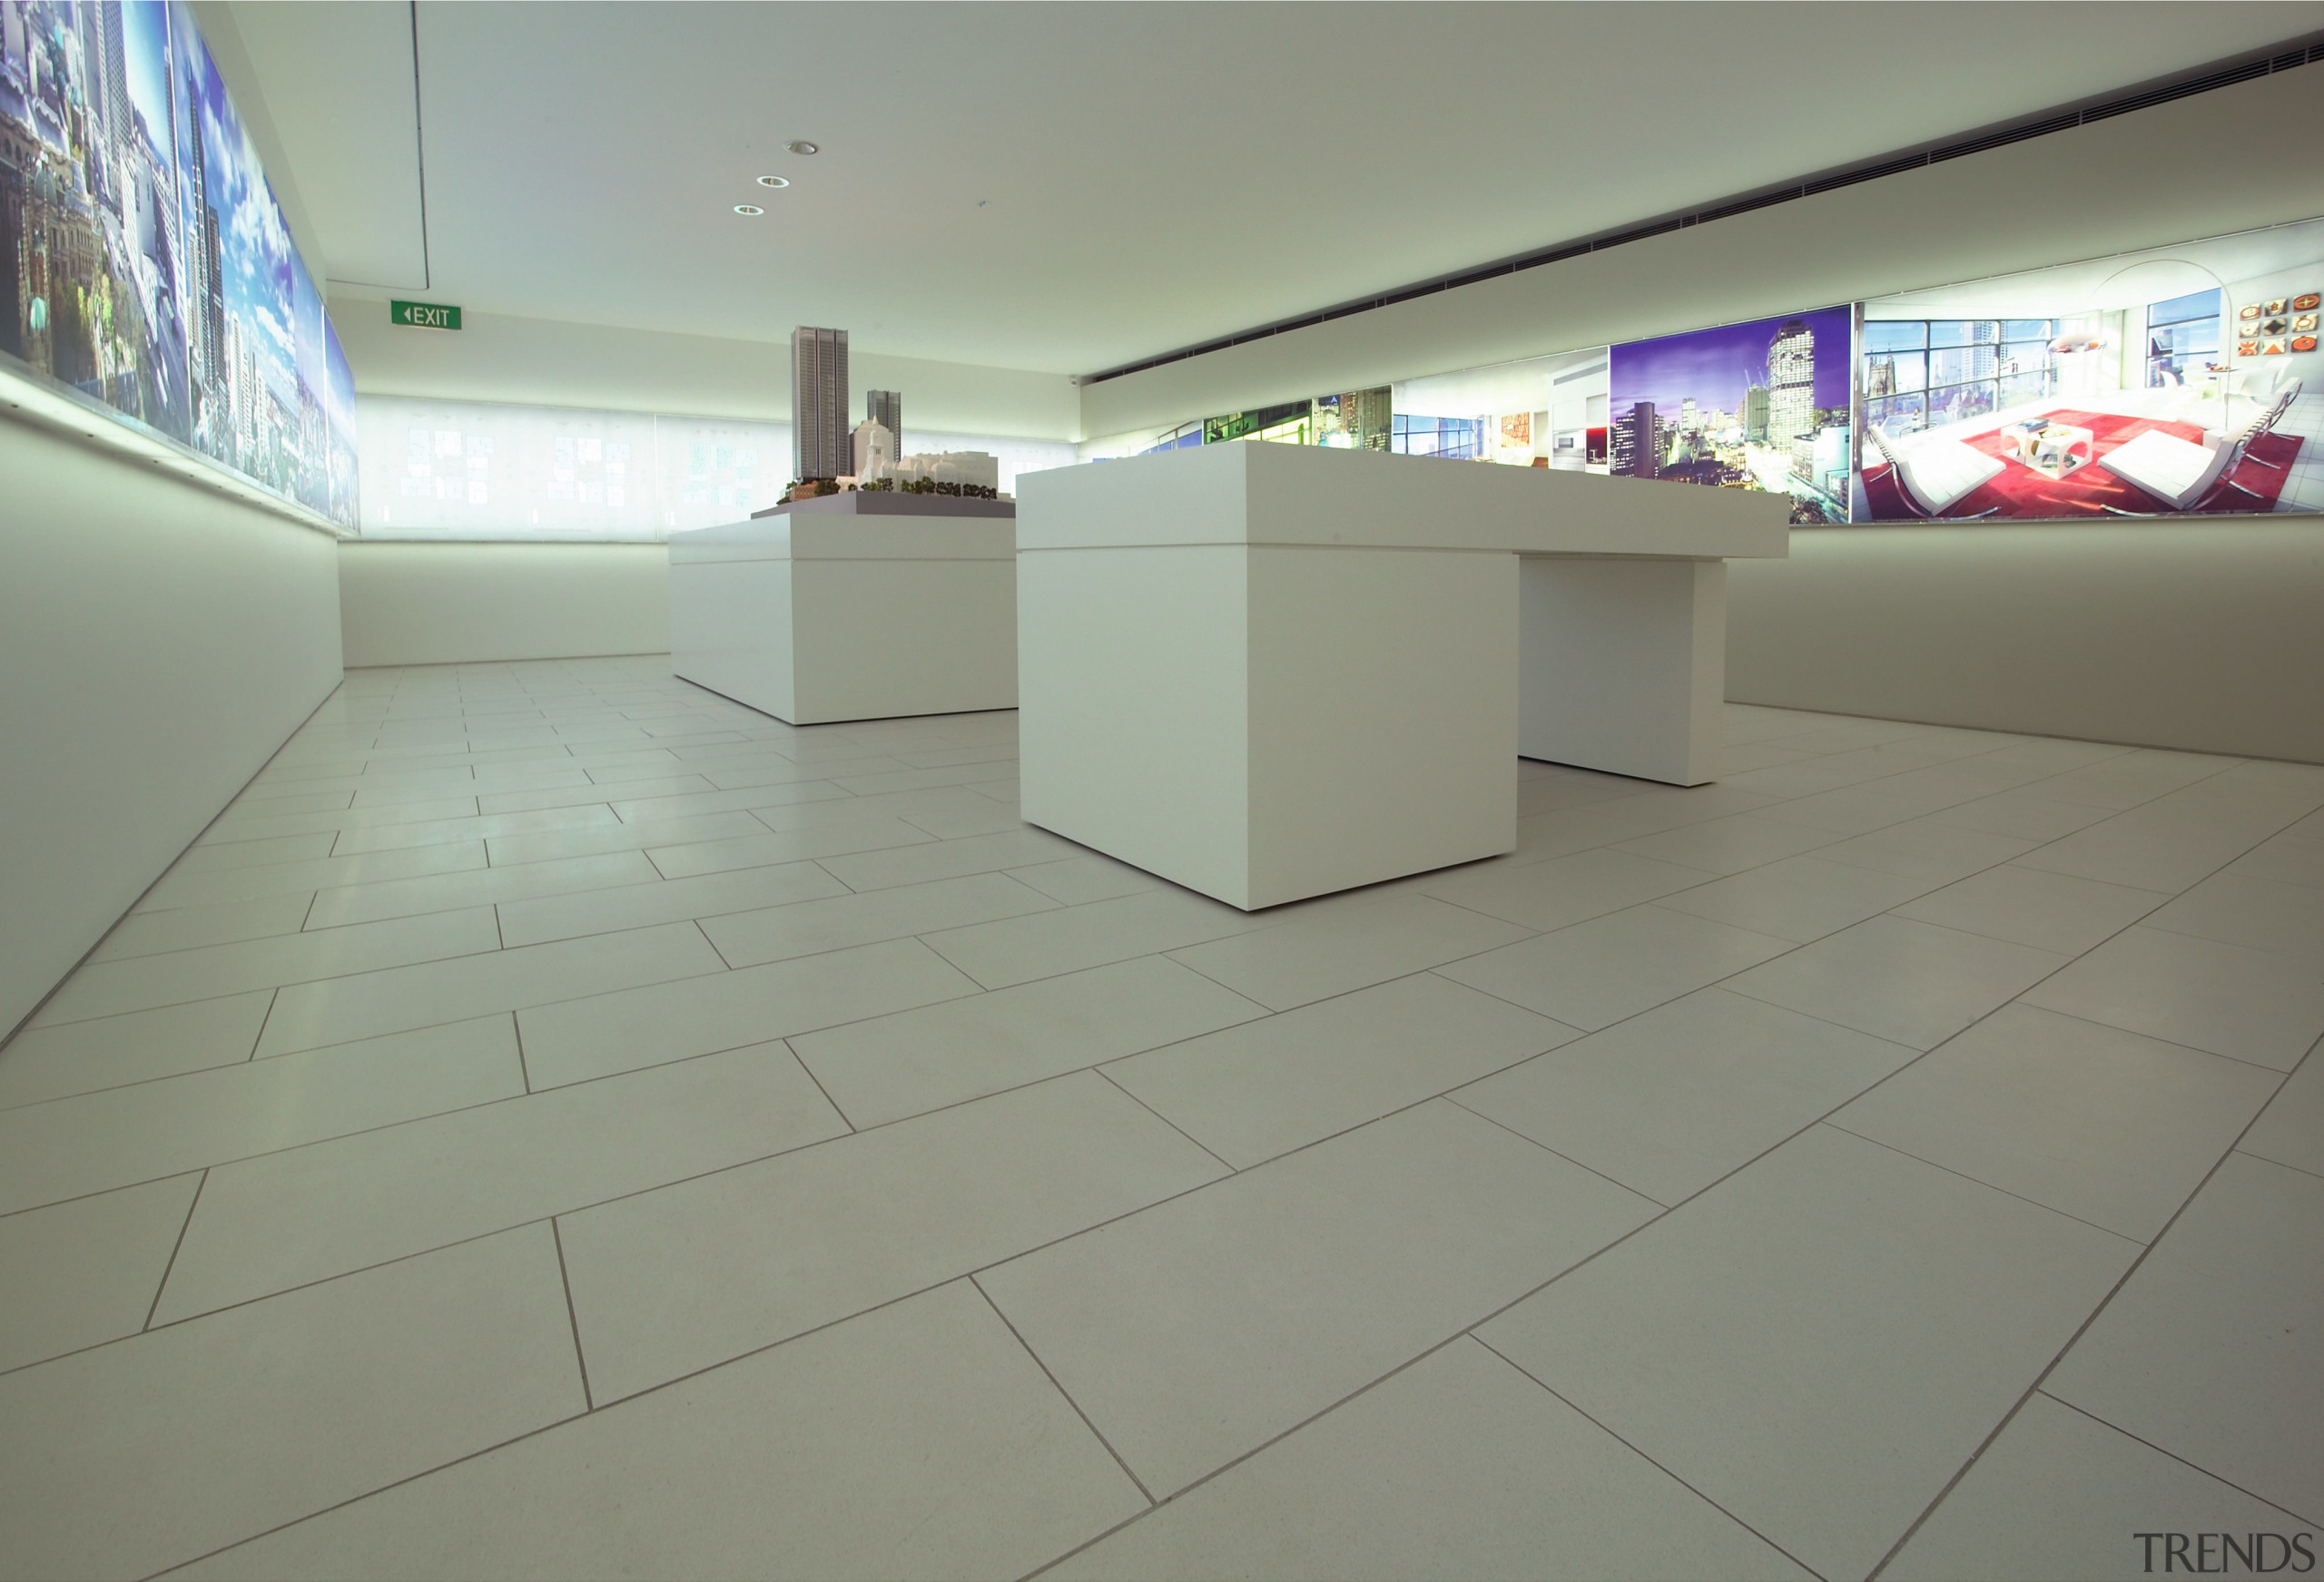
{"type": "Point", "coordinates": [2227, 1554]}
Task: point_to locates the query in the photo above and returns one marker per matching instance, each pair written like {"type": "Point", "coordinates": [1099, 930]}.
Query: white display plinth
{"type": "Point", "coordinates": [1271, 672]}
{"type": "Point", "coordinates": [853, 608]}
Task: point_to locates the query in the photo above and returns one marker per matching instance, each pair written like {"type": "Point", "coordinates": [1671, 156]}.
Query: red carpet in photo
{"type": "Point", "coordinates": [2025, 494]}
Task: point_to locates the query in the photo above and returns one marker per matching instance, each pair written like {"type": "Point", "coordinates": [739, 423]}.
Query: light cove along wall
{"type": "Point", "coordinates": [2225, 669]}
{"type": "Point", "coordinates": [161, 640]}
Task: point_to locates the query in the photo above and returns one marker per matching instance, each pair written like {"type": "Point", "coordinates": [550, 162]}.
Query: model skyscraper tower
{"type": "Point", "coordinates": [819, 446]}
{"type": "Point", "coordinates": [886, 407]}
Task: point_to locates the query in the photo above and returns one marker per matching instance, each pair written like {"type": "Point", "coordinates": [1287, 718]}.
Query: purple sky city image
{"type": "Point", "coordinates": [1716, 365]}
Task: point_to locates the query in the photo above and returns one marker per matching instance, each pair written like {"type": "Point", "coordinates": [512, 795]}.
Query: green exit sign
{"type": "Point", "coordinates": [424, 315]}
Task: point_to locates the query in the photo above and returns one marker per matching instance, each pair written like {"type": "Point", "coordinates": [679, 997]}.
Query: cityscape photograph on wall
{"type": "Point", "coordinates": [2173, 381]}
{"type": "Point", "coordinates": [144, 262]}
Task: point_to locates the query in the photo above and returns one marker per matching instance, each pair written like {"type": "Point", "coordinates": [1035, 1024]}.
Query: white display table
{"type": "Point", "coordinates": [1271, 672]}
{"type": "Point", "coordinates": [851, 608]}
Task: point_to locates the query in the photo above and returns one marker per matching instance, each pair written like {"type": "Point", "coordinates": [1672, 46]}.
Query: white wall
{"type": "Point", "coordinates": [160, 641]}
{"type": "Point", "coordinates": [449, 603]}
{"type": "Point", "coordinates": [2201, 636]}
{"type": "Point", "coordinates": [2205, 637]}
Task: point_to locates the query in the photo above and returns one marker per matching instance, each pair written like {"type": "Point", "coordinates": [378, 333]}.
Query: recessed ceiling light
{"type": "Point", "coordinates": [774, 181]}
{"type": "Point", "coordinates": [748, 208]}
{"type": "Point", "coordinates": [802, 146]}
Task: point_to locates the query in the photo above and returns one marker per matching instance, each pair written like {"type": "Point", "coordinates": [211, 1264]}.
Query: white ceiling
{"type": "Point", "coordinates": [1066, 187]}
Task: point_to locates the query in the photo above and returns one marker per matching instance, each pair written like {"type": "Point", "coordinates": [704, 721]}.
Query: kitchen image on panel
{"type": "Point", "coordinates": [2147, 384]}
{"type": "Point", "coordinates": [1541, 411]}
{"type": "Point", "coordinates": [1760, 405]}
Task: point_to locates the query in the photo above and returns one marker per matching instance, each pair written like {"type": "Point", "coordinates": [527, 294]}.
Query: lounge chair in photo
{"type": "Point", "coordinates": [1934, 474]}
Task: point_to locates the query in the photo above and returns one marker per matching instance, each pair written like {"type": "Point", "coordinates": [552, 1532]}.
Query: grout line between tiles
{"type": "Point", "coordinates": [1981, 1181]}
{"type": "Point", "coordinates": [162, 1284]}
{"type": "Point", "coordinates": [1661, 1207]}
{"type": "Point", "coordinates": [1108, 1078]}
{"type": "Point", "coordinates": [1619, 1438]}
{"type": "Point", "coordinates": [1063, 1392]}
{"type": "Point", "coordinates": [2159, 1451]}
{"type": "Point", "coordinates": [2042, 1378]}
{"type": "Point", "coordinates": [573, 1317]}
{"type": "Point", "coordinates": [846, 1119]}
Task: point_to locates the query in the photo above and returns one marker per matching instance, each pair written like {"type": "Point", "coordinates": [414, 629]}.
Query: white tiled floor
{"type": "Point", "coordinates": [559, 1123]}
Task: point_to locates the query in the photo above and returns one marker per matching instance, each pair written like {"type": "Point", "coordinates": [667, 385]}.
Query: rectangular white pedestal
{"type": "Point", "coordinates": [1624, 665]}
{"type": "Point", "coordinates": [1263, 723]}
{"type": "Point", "coordinates": [1271, 672]}
{"type": "Point", "coordinates": [815, 620]}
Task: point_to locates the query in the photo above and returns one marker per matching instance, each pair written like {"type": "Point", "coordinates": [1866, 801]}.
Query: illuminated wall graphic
{"type": "Point", "coordinates": [1760, 405]}
{"type": "Point", "coordinates": [2157, 383]}
{"type": "Point", "coordinates": [2178, 380]}
{"type": "Point", "coordinates": [144, 261]}
{"type": "Point", "coordinates": [1541, 411]}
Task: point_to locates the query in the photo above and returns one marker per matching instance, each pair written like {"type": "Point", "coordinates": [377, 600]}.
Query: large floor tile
{"type": "Point", "coordinates": [1459, 1467]}
{"type": "Point", "coordinates": [2290, 1130]}
{"type": "Point", "coordinates": [313, 873]}
{"type": "Point", "coordinates": [155, 1450]}
{"type": "Point", "coordinates": [575, 1039]}
{"type": "Point", "coordinates": [780, 933]}
{"type": "Point", "coordinates": [339, 1009]}
{"type": "Point", "coordinates": [552, 845]}
{"type": "Point", "coordinates": [1855, 810]}
{"type": "Point", "coordinates": [1596, 973]}
{"type": "Point", "coordinates": [2103, 1124]}
{"type": "Point", "coordinates": [1568, 889]}
{"type": "Point", "coordinates": [1252, 1092]}
{"type": "Point", "coordinates": [1197, 1331]}
{"type": "Point", "coordinates": [2211, 1349]}
{"type": "Point", "coordinates": [2027, 906]}
{"type": "Point", "coordinates": [1911, 983]}
{"type": "Point", "coordinates": [104, 988]}
{"type": "Point", "coordinates": [593, 816]}
{"type": "Point", "coordinates": [439, 892]}
{"type": "Point", "coordinates": [2128, 779]}
{"type": "Point", "coordinates": [673, 1280]}
{"type": "Point", "coordinates": [867, 832]}
{"type": "Point", "coordinates": [2287, 859]}
{"type": "Point", "coordinates": [45, 1062]}
{"type": "Point", "coordinates": [2026, 814]}
{"type": "Point", "coordinates": [1337, 950]}
{"type": "Point", "coordinates": [76, 1273]}
{"type": "Point", "coordinates": [638, 807]}
{"type": "Point", "coordinates": [2287, 919]}
{"type": "Point", "coordinates": [636, 906]}
{"type": "Point", "coordinates": [2251, 1004]}
{"type": "Point", "coordinates": [1044, 944]}
{"type": "Point", "coordinates": [1730, 845]}
{"type": "Point", "coordinates": [1090, 878]}
{"type": "Point", "coordinates": [886, 1067]}
{"type": "Point", "coordinates": [2152, 854]}
{"type": "Point", "coordinates": [1818, 1343]}
{"type": "Point", "coordinates": [1671, 1100]}
{"type": "Point", "coordinates": [1798, 898]}
{"type": "Point", "coordinates": [224, 855]}
{"type": "Point", "coordinates": [662, 779]}
{"type": "Point", "coordinates": [949, 859]}
{"type": "Point", "coordinates": [2062, 1496]}
{"type": "Point", "coordinates": [920, 1441]}
{"type": "Point", "coordinates": [302, 1215]}
{"type": "Point", "coordinates": [1925, 850]}
{"type": "Point", "coordinates": [190, 928]}
{"type": "Point", "coordinates": [93, 1142]}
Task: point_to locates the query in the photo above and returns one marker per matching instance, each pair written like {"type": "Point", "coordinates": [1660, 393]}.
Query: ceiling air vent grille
{"type": "Point", "coordinates": [2017, 132]}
